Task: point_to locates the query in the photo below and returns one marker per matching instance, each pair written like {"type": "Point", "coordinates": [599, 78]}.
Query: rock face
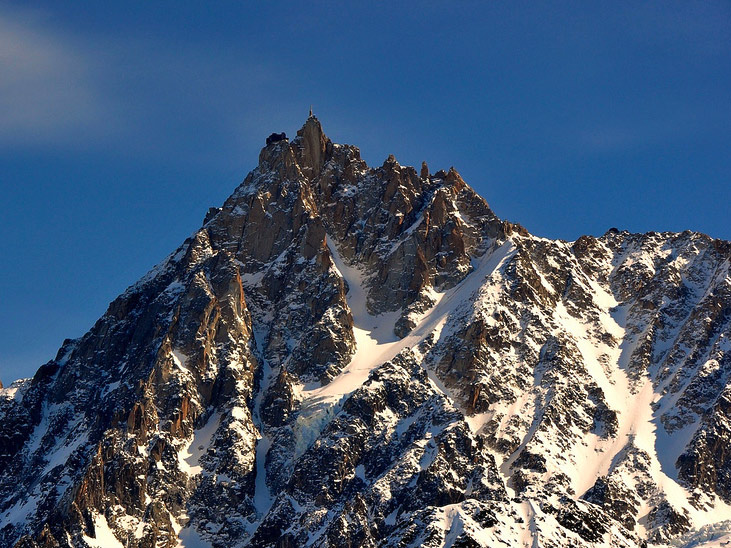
{"type": "Point", "coordinates": [355, 356]}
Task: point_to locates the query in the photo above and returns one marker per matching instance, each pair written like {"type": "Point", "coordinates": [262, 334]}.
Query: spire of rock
{"type": "Point", "coordinates": [424, 170]}
{"type": "Point", "coordinates": [390, 161]}
{"type": "Point", "coordinates": [314, 146]}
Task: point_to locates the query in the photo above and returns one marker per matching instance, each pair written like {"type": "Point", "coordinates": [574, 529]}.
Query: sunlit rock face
{"type": "Point", "coordinates": [354, 356]}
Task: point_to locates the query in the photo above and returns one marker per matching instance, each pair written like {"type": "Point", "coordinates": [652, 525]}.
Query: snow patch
{"type": "Point", "coordinates": [16, 389]}
{"type": "Point", "coordinates": [108, 389]}
{"type": "Point", "coordinates": [477, 421]}
{"type": "Point", "coordinates": [104, 537]}
{"type": "Point", "coordinates": [180, 360]}
{"type": "Point", "coordinates": [190, 454]}
{"type": "Point", "coordinates": [65, 447]}
{"type": "Point", "coordinates": [262, 497]}
{"type": "Point", "coordinates": [189, 538]}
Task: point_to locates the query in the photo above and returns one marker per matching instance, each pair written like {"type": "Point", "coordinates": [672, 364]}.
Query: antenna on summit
{"type": "Point", "coordinates": [310, 111]}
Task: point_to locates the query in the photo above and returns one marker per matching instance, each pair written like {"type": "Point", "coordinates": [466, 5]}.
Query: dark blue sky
{"type": "Point", "coordinates": [120, 125]}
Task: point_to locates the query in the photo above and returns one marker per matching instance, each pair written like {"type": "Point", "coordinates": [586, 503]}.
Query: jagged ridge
{"type": "Point", "coordinates": [345, 355]}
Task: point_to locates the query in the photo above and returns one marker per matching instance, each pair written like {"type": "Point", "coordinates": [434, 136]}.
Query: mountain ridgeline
{"type": "Point", "coordinates": [347, 356]}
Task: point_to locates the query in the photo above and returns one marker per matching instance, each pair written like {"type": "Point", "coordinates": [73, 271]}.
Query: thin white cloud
{"type": "Point", "coordinates": [617, 136]}
{"type": "Point", "coordinates": [129, 93]}
{"type": "Point", "coordinates": [46, 93]}
{"type": "Point", "coordinates": [633, 131]}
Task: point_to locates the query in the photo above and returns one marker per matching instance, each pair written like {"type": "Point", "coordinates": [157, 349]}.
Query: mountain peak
{"type": "Point", "coordinates": [306, 154]}
{"type": "Point", "coordinates": [312, 146]}
{"type": "Point", "coordinates": [354, 356]}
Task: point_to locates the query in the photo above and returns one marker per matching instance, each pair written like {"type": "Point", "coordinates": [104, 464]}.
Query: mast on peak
{"type": "Point", "coordinates": [311, 115]}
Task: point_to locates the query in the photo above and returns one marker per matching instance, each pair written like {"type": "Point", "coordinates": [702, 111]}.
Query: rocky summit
{"type": "Point", "coordinates": [349, 356]}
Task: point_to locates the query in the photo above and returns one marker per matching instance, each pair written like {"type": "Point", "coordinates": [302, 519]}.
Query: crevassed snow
{"type": "Point", "coordinates": [717, 535]}
{"type": "Point", "coordinates": [310, 423]}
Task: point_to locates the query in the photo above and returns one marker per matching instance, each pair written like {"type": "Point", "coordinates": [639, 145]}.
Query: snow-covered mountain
{"type": "Point", "coordinates": [355, 356]}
